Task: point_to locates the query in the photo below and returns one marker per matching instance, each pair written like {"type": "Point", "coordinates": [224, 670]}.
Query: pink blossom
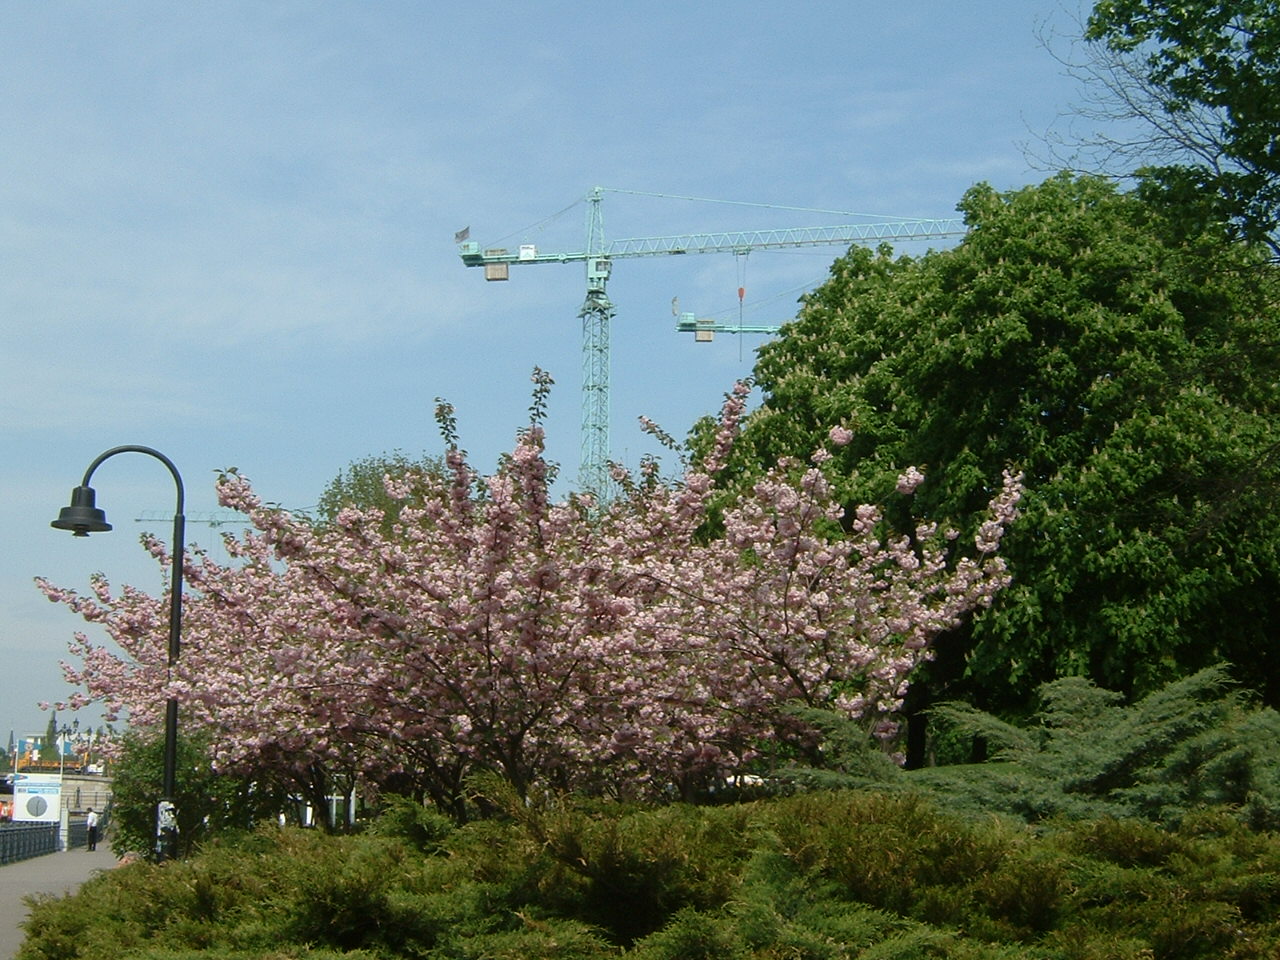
{"type": "Point", "coordinates": [909, 479]}
{"type": "Point", "coordinates": [840, 436]}
{"type": "Point", "coordinates": [602, 646]}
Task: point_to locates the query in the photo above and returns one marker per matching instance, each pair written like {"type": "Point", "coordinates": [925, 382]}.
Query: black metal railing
{"type": "Point", "coordinates": [21, 841]}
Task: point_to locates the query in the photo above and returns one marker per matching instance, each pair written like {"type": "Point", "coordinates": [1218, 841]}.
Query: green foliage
{"type": "Point", "coordinates": [626, 871]}
{"type": "Point", "coordinates": [361, 485]}
{"type": "Point", "coordinates": [1130, 370]}
{"type": "Point", "coordinates": [692, 935]}
{"type": "Point", "coordinates": [416, 824]}
{"type": "Point", "coordinates": [830, 876]}
{"type": "Point", "coordinates": [1192, 744]}
{"type": "Point", "coordinates": [1207, 73]}
{"type": "Point", "coordinates": [207, 802]}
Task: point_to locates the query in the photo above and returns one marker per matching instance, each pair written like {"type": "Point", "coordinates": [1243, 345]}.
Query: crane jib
{"type": "Point", "coordinates": [474, 256]}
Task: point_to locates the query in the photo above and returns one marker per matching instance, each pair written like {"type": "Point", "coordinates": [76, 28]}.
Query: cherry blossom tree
{"type": "Point", "coordinates": [610, 646]}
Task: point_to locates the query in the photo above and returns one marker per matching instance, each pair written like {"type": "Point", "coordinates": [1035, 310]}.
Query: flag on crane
{"type": "Point", "coordinates": [462, 235]}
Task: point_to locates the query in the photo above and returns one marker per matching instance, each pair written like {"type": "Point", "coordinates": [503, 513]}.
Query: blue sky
{"type": "Point", "coordinates": [227, 228]}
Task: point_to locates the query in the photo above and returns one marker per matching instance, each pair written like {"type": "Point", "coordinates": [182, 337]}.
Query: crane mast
{"type": "Point", "coordinates": [597, 319]}
{"type": "Point", "coordinates": [597, 310]}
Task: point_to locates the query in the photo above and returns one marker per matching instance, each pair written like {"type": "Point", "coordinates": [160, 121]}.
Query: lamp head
{"type": "Point", "coordinates": [82, 517]}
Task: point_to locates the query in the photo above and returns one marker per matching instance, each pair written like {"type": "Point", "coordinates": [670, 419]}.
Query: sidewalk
{"type": "Point", "coordinates": [56, 873]}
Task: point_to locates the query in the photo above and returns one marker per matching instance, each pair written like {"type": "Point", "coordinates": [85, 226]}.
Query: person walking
{"type": "Point", "coordinates": [91, 822]}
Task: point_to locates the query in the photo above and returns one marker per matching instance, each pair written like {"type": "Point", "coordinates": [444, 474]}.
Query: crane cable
{"type": "Point", "coordinates": [740, 259]}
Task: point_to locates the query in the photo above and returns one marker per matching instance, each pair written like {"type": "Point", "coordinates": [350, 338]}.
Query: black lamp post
{"type": "Point", "coordinates": [68, 734]}
{"type": "Point", "coordinates": [83, 518]}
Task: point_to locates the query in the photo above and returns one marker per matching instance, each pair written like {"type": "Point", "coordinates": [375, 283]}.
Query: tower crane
{"type": "Point", "coordinates": [704, 329]}
{"type": "Point", "coordinates": [597, 310]}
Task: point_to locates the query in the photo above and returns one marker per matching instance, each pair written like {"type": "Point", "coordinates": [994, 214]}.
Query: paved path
{"type": "Point", "coordinates": [53, 873]}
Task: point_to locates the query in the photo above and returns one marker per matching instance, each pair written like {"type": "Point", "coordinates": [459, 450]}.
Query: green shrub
{"type": "Point", "coordinates": [533, 939]}
{"type": "Point", "coordinates": [1086, 755]}
{"type": "Point", "coordinates": [1026, 893]}
{"type": "Point", "coordinates": [350, 895]}
{"type": "Point", "coordinates": [881, 849]}
{"type": "Point", "coordinates": [693, 935]}
{"type": "Point", "coordinates": [835, 876]}
{"type": "Point", "coordinates": [412, 822]}
{"type": "Point", "coordinates": [209, 803]}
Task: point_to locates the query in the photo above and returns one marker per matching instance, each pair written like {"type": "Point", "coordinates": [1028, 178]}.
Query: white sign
{"type": "Point", "coordinates": [37, 796]}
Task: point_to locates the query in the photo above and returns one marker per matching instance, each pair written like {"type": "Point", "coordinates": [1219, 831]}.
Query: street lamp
{"type": "Point", "coordinates": [68, 734]}
{"type": "Point", "coordinates": [82, 517]}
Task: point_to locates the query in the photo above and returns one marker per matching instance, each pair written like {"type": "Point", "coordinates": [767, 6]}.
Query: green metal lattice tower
{"type": "Point", "coordinates": [597, 310]}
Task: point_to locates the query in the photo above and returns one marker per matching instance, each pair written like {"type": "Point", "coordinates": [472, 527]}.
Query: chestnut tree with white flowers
{"type": "Point", "coordinates": [606, 646]}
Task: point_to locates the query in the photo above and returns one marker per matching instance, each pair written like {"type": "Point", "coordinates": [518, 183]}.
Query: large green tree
{"type": "Point", "coordinates": [1197, 84]}
{"type": "Point", "coordinates": [1130, 369]}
